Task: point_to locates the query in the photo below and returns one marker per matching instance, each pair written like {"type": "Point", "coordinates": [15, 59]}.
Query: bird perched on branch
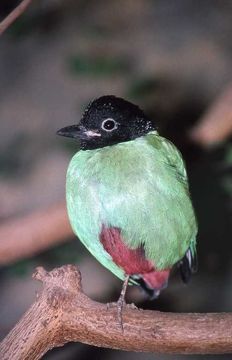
{"type": "Point", "coordinates": [128, 198]}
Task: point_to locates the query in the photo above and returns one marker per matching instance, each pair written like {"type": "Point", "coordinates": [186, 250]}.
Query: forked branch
{"type": "Point", "coordinates": [63, 313]}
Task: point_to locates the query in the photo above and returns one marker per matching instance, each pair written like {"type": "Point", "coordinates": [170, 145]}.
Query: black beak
{"type": "Point", "coordinates": [78, 132]}
{"type": "Point", "coordinates": [73, 131]}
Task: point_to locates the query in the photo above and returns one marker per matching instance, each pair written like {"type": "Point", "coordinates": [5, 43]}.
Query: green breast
{"type": "Point", "coordinates": [136, 187]}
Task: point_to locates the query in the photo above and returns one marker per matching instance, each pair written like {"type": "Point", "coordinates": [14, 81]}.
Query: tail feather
{"type": "Point", "coordinates": [188, 265]}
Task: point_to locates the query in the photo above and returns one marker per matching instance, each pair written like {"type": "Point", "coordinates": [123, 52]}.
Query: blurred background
{"type": "Point", "coordinates": [174, 59]}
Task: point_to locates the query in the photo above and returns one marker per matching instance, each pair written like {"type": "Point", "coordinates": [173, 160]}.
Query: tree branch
{"type": "Point", "coordinates": [63, 313]}
{"type": "Point", "coordinates": [33, 233]}
{"type": "Point", "coordinates": [215, 125]}
{"type": "Point", "coordinates": [4, 24]}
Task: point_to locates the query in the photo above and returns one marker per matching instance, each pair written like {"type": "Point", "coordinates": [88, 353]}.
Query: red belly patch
{"type": "Point", "coordinates": [132, 261]}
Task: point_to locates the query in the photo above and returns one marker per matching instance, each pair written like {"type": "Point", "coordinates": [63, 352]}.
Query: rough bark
{"type": "Point", "coordinates": [63, 313]}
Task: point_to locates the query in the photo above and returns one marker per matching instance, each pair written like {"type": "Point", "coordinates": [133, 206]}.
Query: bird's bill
{"type": "Point", "coordinates": [78, 132]}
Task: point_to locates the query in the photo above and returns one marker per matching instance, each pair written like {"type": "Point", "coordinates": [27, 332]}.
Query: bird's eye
{"type": "Point", "coordinates": [109, 124]}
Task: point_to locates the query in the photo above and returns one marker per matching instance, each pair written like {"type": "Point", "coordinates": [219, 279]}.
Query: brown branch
{"type": "Point", "coordinates": [216, 124]}
{"type": "Point", "coordinates": [4, 24]}
{"type": "Point", "coordinates": [30, 234]}
{"type": "Point", "coordinates": [63, 313]}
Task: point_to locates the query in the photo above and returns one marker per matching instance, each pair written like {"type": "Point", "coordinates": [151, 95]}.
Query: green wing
{"type": "Point", "coordinates": [172, 157]}
{"type": "Point", "coordinates": [174, 160]}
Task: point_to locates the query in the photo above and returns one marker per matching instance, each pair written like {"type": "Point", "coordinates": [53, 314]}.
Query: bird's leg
{"type": "Point", "coordinates": [121, 300]}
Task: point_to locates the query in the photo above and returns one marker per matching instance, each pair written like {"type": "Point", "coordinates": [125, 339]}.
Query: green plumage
{"type": "Point", "coordinates": [139, 186]}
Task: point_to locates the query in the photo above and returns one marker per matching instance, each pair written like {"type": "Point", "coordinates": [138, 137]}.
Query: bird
{"type": "Point", "coordinates": [128, 197]}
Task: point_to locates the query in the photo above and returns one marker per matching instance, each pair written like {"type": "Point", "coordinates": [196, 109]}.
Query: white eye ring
{"type": "Point", "coordinates": [109, 124]}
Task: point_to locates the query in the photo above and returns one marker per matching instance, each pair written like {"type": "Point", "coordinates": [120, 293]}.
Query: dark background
{"type": "Point", "coordinates": [173, 58]}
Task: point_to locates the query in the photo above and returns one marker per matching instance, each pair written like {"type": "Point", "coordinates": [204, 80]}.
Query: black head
{"type": "Point", "coordinates": [109, 120]}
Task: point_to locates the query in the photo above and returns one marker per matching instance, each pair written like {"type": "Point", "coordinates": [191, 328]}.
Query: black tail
{"type": "Point", "coordinates": [188, 266]}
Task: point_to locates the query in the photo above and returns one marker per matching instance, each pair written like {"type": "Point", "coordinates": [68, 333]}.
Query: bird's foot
{"type": "Point", "coordinates": [111, 305]}
{"type": "Point", "coordinates": [121, 301]}
{"type": "Point", "coordinates": [119, 305]}
{"type": "Point", "coordinates": [132, 306]}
